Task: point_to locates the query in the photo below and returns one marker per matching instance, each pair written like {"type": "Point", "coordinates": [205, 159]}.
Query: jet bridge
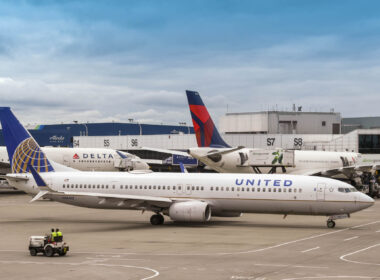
{"type": "Point", "coordinates": [272, 159]}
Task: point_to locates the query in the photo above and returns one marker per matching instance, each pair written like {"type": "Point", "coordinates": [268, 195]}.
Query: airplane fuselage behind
{"type": "Point", "coordinates": [304, 161]}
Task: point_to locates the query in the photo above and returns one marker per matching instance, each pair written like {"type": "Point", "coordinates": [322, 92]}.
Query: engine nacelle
{"type": "Point", "coordinates": [190, 211]}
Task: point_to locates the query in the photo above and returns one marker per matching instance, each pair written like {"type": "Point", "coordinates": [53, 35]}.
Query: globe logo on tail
{"type": "Point", "coordinates": [28, 152]}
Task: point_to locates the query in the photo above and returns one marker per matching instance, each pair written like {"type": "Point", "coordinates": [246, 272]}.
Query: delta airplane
{"type": "Point", "coordinates": [86, 159]}
{"type": "Point", "coordinates": [214, 152]}
{"type": "Point", "coordinates": [185, 197]}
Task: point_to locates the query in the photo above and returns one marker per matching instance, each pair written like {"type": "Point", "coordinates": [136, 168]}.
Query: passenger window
{"type": "Point", "coordinates": [258, 189]}
{"type": "Point", "coordinates": [299, 190]}
{"type": "Point", "coordinates": [150, 187]}
{"type": "Point", "coordinates": [202, 188]}
{"type": "Point", "coordinates": [263, 190]}
{"type": "Point", "coordinates": [242, 189]}
{"type": "Point", "coordinates": [274, 189]}
{"type": "Point", "coordinates": [217, 188]}
{"type": "Point", "coordinates": [238, 189]}
{"type": "Point", "coordinates": [179, 187]}
{"type": "Point", "coordinates": [227, 189]}
{"type": "Point", "coordinates": [295, 190]}
{"type": "Point", "coordinates": [222, 188]}
{"type": "Point", "coordinates": [158, 187]}
{"type": "Point", "coordinates": [279, 190]}
{"type": "Point", "coordinates": [290, 190]}
{"type": "Point", "coordinates": [253, 189]}
{"type": "Point", "coordinates": [80, 186]}
{"type": "Point", "coordinates": [188, 188]}
{"type": "Point", "coordinates": [121, 187]}
{"type": "Point", "coordinates": [163, 187]}
{"type": "Point", "coordinates": [140, 187]}
{"type": "Point", "coordinates": [168, 187]}
{"type": "Point", "coordinates": [174, 188]}
{"type": "Point", "coordinates": [269, 189]}
{"type": "Point", "coordinates": [197, 188]}
{"type": "Point", "coordinates": [144, 187]}
{"type": "Point", "coordinates": [193, 188]}
{"type": "Point", "coordinates": [232, 189]}
{"type": "Point", "coordinates": [211, 188]}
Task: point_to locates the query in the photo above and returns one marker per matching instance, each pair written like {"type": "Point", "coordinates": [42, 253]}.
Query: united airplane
{"type": "Point", "coordinates": [184, 197]}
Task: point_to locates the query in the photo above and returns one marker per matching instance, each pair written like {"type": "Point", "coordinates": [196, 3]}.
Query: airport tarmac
{"type": "Point", "coordinates": [113, 244]}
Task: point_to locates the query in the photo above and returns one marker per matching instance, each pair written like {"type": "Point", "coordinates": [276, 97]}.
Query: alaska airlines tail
{"type": "Point", "coordinates": [22, 149]}
{"type": "Point", "coordinates": [205, 129]}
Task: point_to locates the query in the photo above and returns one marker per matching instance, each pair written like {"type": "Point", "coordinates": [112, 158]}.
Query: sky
{"type": "Point", "coordinates": [100, 61]}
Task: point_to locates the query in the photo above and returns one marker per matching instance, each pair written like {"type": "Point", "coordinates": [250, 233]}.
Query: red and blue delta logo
{"type": "Point", "coordinates": [76, 156]}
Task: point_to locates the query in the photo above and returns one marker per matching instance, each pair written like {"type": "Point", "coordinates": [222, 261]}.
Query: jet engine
{"type": "Point", "coordinates": [190, 211]}
{"type": "Point", "coordinates": [227, 214]}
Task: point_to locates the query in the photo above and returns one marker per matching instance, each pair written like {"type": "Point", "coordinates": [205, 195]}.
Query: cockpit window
{"type": "Point", "coordinates": [347, 190]}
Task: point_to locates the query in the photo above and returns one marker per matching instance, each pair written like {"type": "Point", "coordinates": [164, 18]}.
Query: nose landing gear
{"type": "Point", "coordinates": [157, 219]}
{"type": "Point", "coordinates": [330, 221]}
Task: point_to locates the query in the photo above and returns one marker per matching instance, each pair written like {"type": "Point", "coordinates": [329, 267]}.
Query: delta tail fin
{"type": "Point", "coordinates": [205, 130]}
{"type": "Point", "coordinates": [22, 149]}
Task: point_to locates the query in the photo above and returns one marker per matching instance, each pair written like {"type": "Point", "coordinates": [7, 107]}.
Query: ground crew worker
{"type": "Point", "coordinates": [53, 237]}
{"type": "Point", "coordinates": [59, 235]}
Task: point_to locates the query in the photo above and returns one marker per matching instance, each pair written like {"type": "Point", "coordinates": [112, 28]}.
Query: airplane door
{"type": "Point", "coordinates": [66, 160]}
{"type": "Point", "coordinates": [321, 191]}
{"type": "Point", "coordinates": [180, 189]}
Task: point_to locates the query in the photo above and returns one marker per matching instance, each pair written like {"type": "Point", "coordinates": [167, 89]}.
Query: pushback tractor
{"type": "Point", "coordinates": [41, 244]}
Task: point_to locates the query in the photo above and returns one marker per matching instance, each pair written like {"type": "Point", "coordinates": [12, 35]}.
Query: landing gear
{"type": "Point", "coordinates": [157, 219]}
{"type": "Point", "coordinates": [330, 224]}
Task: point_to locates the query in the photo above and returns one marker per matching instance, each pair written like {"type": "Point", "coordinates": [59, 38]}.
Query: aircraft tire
{"type": "Point", "coordinates": [330, 224]}
{"type": "Point", "coordinates": [156, 219]}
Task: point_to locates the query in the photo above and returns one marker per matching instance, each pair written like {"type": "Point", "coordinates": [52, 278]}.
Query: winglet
{"type": "Point", "coordinates": [183, 168]}
{"type": "Point", "coordinates": [39, 195]}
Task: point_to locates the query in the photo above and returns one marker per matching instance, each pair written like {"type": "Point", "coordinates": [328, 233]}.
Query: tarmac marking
{"type": "Point", "coordinates": [103, 254]}
{"type": "Point", "coordinates": [333, 277]}
{"type": "Point", "coordinates": [351, 238]}
{"type": "Point", "coordinates": [156, 273]}
{"type": "Point", "coordinates": [343, 258]}
{"type": "Point", "coordinates": [290, 265]}
{"type": "Point", "coordinates": [312, 249]}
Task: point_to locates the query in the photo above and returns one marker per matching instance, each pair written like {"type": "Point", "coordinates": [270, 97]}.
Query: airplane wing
{"type": "Point", "coordinates": [134, 201]}
{"type": "Point", "coordinates": [171, 152]}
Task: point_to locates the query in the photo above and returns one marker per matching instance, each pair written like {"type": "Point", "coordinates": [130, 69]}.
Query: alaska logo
{"type": "Point", "coordinates": [76, 156]}
{"type": "Point", "coordinates": [277, 157]}
{"type": "Point", "coordinates": [28, 152]}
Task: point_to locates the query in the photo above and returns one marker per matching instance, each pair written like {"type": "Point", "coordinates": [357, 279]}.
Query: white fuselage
{"type": "Point", "coordinates": [304, 161]}
{"type": "Point", "coordinates": [88, 159]}
{"type": "Point", "coordinates": [236, 193]}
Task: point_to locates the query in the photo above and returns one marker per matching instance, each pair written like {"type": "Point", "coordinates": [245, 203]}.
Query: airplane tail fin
{"type": "Point", "coordinates": [205, 129]}
{"type": "Point", "coordinates": [22, 149]}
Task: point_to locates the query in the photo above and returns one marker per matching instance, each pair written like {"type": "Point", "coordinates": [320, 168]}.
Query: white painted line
{"type": "Point", "coordinates": [333, 277]}
{"type": "Point", "coordinates": [102, 254]}
{"type": "Point", "coordinates": [308, 250]}
{"type": "Point", "coordinates": [378, 231]}
{"type": "Point", "coordinates": [351, 238]}
{"type": "Point", "coordinates": [343, 258]}
{"type": "Point", "coordinates": [156, 273]}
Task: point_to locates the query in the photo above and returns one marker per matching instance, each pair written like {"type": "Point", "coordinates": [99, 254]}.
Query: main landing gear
{"type": "Point", "coordinates": [157, 219]}
{"type": "Point", "coordinates": [330, 223]}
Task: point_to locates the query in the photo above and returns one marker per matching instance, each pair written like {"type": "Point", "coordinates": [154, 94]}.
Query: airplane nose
{"type": "Point", "coordinates": [366, 200]}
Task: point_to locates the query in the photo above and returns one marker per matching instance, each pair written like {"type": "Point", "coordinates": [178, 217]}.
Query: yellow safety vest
{"type": "Point", "coordinates": [53, 236]}
{"type": "Point", "coordinates": [59, 233]}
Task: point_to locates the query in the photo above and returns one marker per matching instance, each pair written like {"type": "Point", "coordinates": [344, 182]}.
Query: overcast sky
{"type": "Point", "coordinates": [112, 60]}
